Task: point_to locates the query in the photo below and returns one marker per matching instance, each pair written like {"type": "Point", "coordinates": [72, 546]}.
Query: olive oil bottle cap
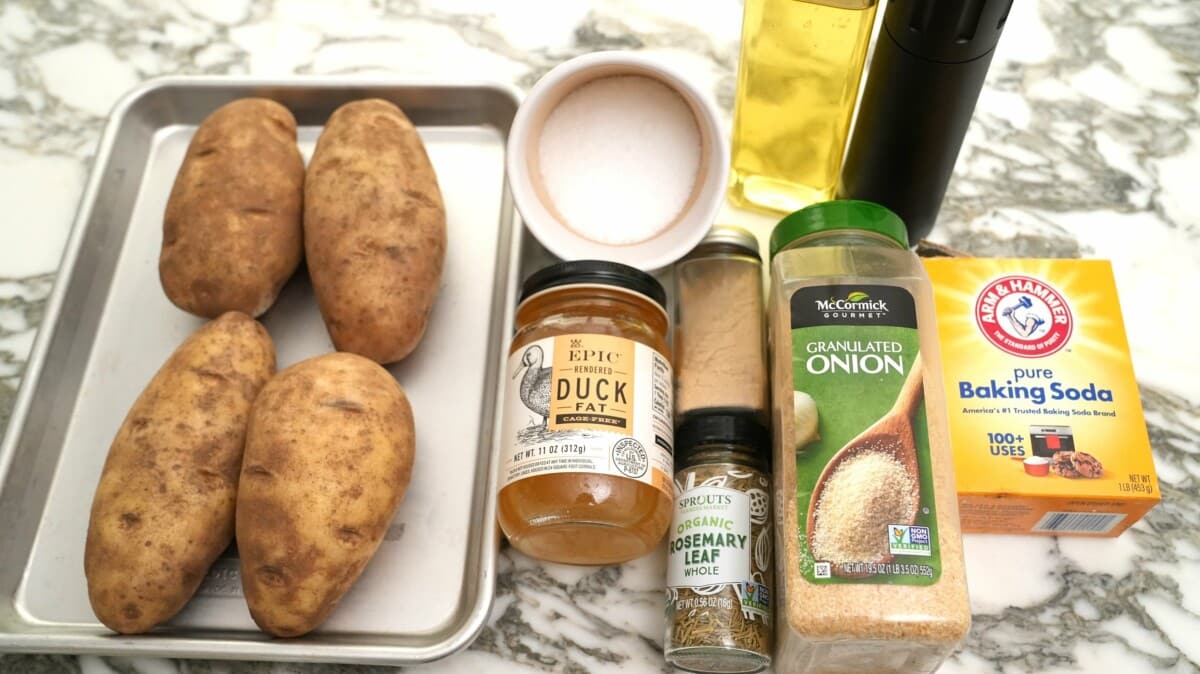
{"type": "Point", "coordinates": [839, 214]}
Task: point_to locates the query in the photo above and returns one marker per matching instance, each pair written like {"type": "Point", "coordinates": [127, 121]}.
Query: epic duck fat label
{"type": "Point", "coordinates": [585, 403]}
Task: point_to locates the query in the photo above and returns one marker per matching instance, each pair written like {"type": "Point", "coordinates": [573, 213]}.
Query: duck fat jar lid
{"type": "Point", "coordinates": [721, 426]}
{"type": "Point", "coordinates": [839, 214]}
{"type": "Point", "coordinates": [594, 272]}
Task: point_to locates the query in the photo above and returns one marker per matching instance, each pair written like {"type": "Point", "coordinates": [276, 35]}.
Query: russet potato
{"type": "Point", "coordinates": [232, 234]}
{"type": "Point", "coordinates": [374, 230]}
{"type": "Point", "coordinates": [163, 510]}
{"type": "Point", "coordinates": [329, 455]}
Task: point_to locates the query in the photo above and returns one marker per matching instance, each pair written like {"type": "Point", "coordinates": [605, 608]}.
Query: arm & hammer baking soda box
{"type": "Point", "coordinates": [1045, 417]}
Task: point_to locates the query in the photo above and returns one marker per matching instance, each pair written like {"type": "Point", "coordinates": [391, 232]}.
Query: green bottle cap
{"type": "Point", "coordinates": [839, 214]}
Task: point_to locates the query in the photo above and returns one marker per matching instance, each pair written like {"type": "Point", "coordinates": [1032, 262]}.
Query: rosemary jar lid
{"type": "Point", "coordinates": [595, 272]}
{"type": "Point", "coordinates": [721, 427]}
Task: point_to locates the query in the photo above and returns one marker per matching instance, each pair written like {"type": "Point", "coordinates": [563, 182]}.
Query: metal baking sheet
{"type": "Point", "coordinates": [109, 327]}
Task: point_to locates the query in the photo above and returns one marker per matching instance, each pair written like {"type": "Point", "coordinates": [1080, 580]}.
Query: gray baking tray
{"type": "Point", "coordinates": [108, 327]}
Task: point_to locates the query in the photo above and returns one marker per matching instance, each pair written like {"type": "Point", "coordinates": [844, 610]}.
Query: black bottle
{"type": "Point", "coordinates": [929, 65]}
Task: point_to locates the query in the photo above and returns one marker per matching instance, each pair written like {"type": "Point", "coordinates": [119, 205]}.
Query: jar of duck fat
{"type": "Point", "coordinates": [586, 471]}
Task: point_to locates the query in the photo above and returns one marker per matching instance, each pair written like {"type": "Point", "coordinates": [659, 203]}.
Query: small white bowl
{"type": "Point", "coordinates": [524, 176]}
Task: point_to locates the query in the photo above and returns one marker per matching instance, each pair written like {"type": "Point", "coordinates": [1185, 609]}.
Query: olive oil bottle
{"type": "Point", "coordinates": [798, 78]}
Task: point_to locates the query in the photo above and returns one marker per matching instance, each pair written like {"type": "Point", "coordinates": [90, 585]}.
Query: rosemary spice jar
{"type": "Point", "coordinates": [719, 555]}
{"type": "Point", "coordinates": [586, 446]}
{"type": "Point", "coordinates": [720, 346]}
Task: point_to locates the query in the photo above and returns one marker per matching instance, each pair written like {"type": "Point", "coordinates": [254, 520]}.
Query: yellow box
{"type": "Point", "coordinates": [1045, 417]}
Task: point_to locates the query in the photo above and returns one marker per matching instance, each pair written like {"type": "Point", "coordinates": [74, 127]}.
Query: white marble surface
{"type": "Point", "coordinates": [1086, 142]}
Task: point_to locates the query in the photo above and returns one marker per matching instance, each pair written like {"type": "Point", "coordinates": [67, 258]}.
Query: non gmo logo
{"type": "Point", "coordinates": [754, 597]}
{"type": "Point", "coordinates": [856, 304]}
{"type": "Point", "coordinates": [904, 539]}
{"type": "Point", "coordinates": [1024, 316]}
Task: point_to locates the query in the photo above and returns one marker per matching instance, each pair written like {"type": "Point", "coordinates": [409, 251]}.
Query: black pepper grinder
{"type": "Point", "coordinates": [929, 65]}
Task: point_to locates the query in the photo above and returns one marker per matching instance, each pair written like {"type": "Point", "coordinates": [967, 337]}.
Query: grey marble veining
{"type": "Point", "coordinates": [1086, 142]}
{"type": "Point", "coordinates": [1072, 140]}
{"type": "Point", "coordinates": [22, 303]}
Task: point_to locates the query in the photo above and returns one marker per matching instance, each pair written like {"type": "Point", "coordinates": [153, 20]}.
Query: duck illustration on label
{"type": "Point", "coordinates": [534, 390]}
{"type": "Point", "coordinates": [585, 403]}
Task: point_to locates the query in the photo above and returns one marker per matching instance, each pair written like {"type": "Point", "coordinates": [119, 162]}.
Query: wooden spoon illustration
{"type": "Point", "coordinates": [892, 436]}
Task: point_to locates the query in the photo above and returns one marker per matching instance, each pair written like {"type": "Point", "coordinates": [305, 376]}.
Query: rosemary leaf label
{"type": "Point", "coordinates": [719, 570]}
{"type": "Point", "coordinates": [710, 538]}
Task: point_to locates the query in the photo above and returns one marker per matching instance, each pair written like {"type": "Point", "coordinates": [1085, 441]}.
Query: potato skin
{"type": "Point", "coordinates": [232, 234]}
{"type": "Point", "coordinates": [164, 508]}
{"type": "Point", "coordinates": [374, 230]}
{"type": "Point", "coordinates": [329, 455]}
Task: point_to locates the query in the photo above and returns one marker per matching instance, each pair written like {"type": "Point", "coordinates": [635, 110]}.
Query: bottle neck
{"type": "Point", "coordinates": [843, 237]}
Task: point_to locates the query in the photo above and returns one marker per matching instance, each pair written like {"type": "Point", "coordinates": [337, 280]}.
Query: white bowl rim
{"type": "Point", "coordinates": [650, 255]}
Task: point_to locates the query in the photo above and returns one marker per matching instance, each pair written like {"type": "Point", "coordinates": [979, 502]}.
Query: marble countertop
{"type": "Point", "coordinates": [1085, 142]}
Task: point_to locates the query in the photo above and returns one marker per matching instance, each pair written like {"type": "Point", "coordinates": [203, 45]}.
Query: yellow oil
{"type": "Point", "coordinates": [798, 78]}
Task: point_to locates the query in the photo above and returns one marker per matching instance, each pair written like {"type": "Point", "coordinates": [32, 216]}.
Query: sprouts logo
{"type": "Point", "coordinates": [856, 304]}
{"type": "Point", "coordinates": [1024, 316]}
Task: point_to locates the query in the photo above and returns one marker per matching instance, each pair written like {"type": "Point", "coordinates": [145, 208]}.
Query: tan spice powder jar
{"type": "Point", "coordinates": [720, 346]}
{"type": "Point", "coordinates": [586, 467]}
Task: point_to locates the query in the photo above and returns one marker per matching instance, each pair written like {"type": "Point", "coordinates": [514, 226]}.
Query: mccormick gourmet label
{"type": "Point", "coordinates": [864, 516]}
{"type": "Point", "coordinates": [584, 403]}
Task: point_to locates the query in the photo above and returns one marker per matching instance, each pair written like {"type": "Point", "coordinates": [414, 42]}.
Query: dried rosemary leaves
{"type": "Point", "coordinates": [719, 559]}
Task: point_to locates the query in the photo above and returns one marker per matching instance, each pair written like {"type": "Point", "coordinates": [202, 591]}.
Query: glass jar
{"type": "Point", "coordinates": [720, 559]}
{"type": "Point", "coordinates": [720, 345]}
{"type": "Point", "coordinates": [872, 575]}
{"type": "Point", "coordinates": [587, 434]}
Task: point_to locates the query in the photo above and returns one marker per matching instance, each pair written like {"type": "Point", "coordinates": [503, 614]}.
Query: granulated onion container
{"type": "Point", "coordinates": [870, 565]}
